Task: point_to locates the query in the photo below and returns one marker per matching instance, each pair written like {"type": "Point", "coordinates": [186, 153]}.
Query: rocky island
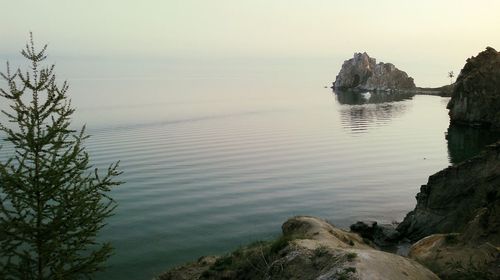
{"type": "Point", "coordinates": [453, 232]}
{"type": "Point", "coordinates": [363, 73]}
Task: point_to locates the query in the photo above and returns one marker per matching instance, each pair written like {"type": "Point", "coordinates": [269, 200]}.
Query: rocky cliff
{"type": "Point", "coordinates": [456, 222]}
{"type": "Point", "coordinates": [453, 197]}
{"type": "Point", "coordinates": [476, 95]}
{"type": "Point", "coordinates": [362, 73]}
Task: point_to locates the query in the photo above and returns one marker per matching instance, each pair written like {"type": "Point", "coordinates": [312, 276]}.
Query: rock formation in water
{"type": "Point", "coordinates": [453, 197]}
{"type": "Point", "coordinates": [476, 95]}
{"type": "Point", "coordinates": [310, 248]}
{"type": "Point", "coordinates": [362, 73]}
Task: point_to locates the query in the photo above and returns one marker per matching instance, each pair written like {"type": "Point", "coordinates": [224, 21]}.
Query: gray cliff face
{"type": "Point", "coordinates": [476, 94]}
{"type": "Point", "coordinates": [453, 197]}
{"type": "Point", "coordinates": [362, 73]}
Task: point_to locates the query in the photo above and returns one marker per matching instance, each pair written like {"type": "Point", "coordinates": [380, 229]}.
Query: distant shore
{"type": "Point", "coordinates": [444, 91]}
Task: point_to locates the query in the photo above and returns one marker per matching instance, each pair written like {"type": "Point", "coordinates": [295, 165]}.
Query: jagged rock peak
{"type": "Point", "coordinates": [362, 73]}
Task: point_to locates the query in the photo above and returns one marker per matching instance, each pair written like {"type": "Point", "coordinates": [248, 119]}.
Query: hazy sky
{"type": "Point", "coordinates": [412, 34]}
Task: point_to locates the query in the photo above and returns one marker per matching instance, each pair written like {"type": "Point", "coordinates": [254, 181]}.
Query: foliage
{"type": "Point", "coordinates": [351, 256]}
{"type": "Point", "coordinates": [451, 75]}
{"type": "Point", "coordinates": [346, 273]}
{"type": "Point", "coordinates": [468, 271]}
{"type": "Point", "coordinates": [52, 204]}
{"type": "Point", "coordinates": [451, 238]}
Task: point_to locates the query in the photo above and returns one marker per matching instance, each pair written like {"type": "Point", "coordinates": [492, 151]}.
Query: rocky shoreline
{"type": "Point", "coordinates": [453, 232]}
{"type": "Point", "coordinates": [309, 248]}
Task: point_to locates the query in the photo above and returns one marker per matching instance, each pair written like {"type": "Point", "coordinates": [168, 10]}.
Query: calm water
{"type": "Point", "coordinates": [215, 156]}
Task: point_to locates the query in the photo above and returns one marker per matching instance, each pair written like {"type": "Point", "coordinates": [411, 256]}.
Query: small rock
{"type": "Point", "coordinates": [382, 235]}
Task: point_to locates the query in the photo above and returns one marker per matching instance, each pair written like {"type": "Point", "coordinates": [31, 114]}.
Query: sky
{"type": "Point", "coordinates": [425, 38]}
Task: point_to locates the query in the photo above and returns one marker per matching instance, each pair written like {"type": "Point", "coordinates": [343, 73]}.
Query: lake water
{"type": "Point", "coordinates": [219, 155]}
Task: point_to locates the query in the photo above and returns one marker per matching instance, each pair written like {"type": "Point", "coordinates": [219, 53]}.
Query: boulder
{"type": "Point", "coordinates": [451, 257]}
{"type": "Point", "coordinates": [383, 235]}
{"type": "Point", "coordinates": [362, 73]}
{"type": "Point", "coordinates": [473, 254]}
{"type": "Point", "coordinates": [476, 94]}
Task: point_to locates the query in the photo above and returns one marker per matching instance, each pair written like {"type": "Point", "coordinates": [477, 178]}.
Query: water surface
{"type": "Point", "coordinates": [216, 155]}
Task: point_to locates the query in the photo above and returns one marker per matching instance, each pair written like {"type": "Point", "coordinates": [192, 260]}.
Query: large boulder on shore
{"type": "Point", "coordinates": [453, 196]}
{"type": "Point", "coordinates": [467, 255]}
{"type": "Point", "coordinates": [476, 95]}
{"type": "Point", "coordinates": [362, 73]}
{"type": "Point", "coordinates": [452, 256]}
{"type": "Point", "coordinates": [310, 249]}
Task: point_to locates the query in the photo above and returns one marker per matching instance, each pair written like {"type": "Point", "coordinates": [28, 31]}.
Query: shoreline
{"type": "Point", "coordinates": [417, 245]}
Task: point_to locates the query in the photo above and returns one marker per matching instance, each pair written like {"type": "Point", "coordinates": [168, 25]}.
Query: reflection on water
{"type": "Point", "coordinates": [361, 111]}
{"type": "Point", "coordinates": [465, 142]}
{"type": "Point", "coordinates": [356, 98]}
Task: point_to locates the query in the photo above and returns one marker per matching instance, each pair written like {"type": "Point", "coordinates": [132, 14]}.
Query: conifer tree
{"type": "Point", "coordinates": [52, 201]}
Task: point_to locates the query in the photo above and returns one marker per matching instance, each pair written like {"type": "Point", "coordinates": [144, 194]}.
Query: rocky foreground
{"type": "Point", "coordinates": [457, 195]}
{"type": "Point", "coordinates": [309, 248]}
{"type": "Point", "coordinates": [456, 223]}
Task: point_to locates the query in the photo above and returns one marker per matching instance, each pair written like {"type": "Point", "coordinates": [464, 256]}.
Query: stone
{"type": "Point", "coordinates": [475, 98]}
{"type": "Point", "coordinates": [452, 258]}
{"type": "Point", "coordinates": [362, 73]}
{"type": "Point", "coordinates": [382, 235]}
{"type": "Point", "coordinates": [472, 254]}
